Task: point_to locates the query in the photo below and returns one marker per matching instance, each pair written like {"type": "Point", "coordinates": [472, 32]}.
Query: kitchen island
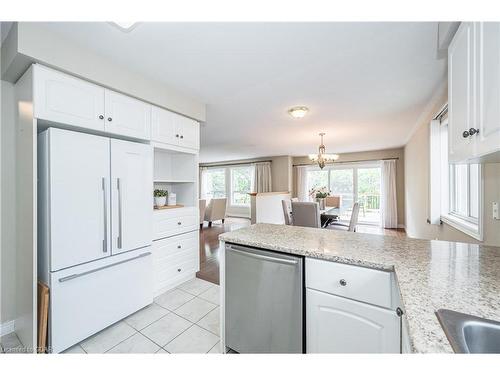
{"type": "Point", "coordinates": [430, 275]}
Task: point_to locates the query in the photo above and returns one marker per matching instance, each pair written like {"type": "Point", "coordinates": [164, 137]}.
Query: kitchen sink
{"type": "Point", "coordinates": [468, 333]}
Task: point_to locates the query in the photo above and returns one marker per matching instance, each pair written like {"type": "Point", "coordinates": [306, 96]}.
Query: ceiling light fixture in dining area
{"type": "Point", "coordinates": [298, 112]}
{"type": "Point", "coordinates": [322, 157]}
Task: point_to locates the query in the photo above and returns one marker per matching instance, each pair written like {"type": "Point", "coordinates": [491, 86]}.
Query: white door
{"type": "Point", "coordinates": [460, 93]}
{"type": "Point", "coordinates": [163, 126]}
{"type": "Point", "coordinates": [132, 189]}
{"type": "Point", "coordinates": [189, 133]}
{"type": "Point", "coordinates": [340, 325]}
{"type": "Point", "coordinates": [127, 116]}
{"type": "Point", "coordinates": [68, 100]}
{"type": "Point", "coordinates": [488, 78]}
{"type": "Point", "coordinates": [79, 205]}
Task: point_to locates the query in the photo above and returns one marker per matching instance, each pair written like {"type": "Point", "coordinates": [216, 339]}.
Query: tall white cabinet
{"type": "Point", "coordinates": [474, 93]}
{"type": "Point", "coordinates": [87, 166]}
{"type": "Point", "coordinates": [78, 203]}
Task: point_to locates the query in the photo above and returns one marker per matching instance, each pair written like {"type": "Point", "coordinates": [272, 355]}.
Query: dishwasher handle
{"type": "Point", "coordinates": [263, 257]}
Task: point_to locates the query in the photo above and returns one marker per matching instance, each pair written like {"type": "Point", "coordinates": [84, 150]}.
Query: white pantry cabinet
{"type": "Point", "coordinates": [132, 184]}
{"type": "Point", "coordinates": [173, 129]}
{"type": "Point", "coordinates": [474, 93]}
{"type": "Point", "coordinates": [127, 116]}
{"type": "Point", "coordinates": [64, 99]}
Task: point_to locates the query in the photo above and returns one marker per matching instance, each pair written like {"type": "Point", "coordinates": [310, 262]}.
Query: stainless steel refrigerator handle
{"type": "Point", "coordinates": [119, 187]}
{"type": "Point", "coordinates": [76, 275]}
{"type": "Point", "coordinates": [264, 257]}
{"type": "Point", "coordinates": [105, 203]}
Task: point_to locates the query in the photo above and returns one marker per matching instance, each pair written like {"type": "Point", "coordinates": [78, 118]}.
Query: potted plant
{"type": "Point", "coordinates": [160, 197]}
{"type": "Point", "coordinates": [319, 194]}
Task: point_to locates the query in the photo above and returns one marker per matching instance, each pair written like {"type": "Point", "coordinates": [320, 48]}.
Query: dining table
{"type": "Point", "coordinates": [329, 215]}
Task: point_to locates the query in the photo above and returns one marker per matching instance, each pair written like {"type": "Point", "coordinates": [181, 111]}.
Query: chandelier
{"type": "Point", "coordinates": [322, 157]}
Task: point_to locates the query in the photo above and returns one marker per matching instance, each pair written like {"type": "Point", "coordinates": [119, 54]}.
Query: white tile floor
{"type": "Point", "coordinates": [182, 320]}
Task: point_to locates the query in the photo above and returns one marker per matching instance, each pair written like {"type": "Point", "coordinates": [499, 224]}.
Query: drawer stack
{"type": "Point", "coordinates": [175, 247]}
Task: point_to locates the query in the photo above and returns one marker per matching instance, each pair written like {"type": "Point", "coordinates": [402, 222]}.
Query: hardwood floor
{"type": "Point", "coordinates": [209, 246]}
{"type": "Point", "coordinates": [209, 243]}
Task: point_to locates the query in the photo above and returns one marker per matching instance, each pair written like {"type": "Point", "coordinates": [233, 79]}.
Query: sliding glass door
{"type": "Point", "coordinates": [353, 183]}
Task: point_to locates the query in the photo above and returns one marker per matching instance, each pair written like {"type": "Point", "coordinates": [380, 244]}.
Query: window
{"type": "Point", "coordinates": [215, 183]}
{"type": "Point", "coordinates": [241, 185]}
{"type": "Point", "coordinates": [354, 183]}
{"type": "Point", "coordinates": [455, 188]}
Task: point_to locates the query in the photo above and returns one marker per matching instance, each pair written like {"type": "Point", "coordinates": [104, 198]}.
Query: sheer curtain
{"type": "Point", "coordinates": [302, 193]}
{"type": "Point", "coordinates": [203, 182]}
{"type": "Point", "coordinates": [388, 201]}
{"type": "Point", "coordinates": [262, 178]}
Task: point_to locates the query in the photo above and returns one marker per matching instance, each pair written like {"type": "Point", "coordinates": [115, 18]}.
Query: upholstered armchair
{"type": "Point", "coordinates": [216, 210]}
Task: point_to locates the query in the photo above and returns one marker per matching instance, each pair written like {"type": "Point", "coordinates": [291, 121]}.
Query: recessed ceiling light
{"type": "Point", "coordinates": [298, 112]}
{"type": "Point", "coordinates": [125, 26]}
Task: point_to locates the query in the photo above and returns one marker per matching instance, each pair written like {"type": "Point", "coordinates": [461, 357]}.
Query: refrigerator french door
{"type": "Point", "coordinates": [95, 196]}
{"type": "Point", "coordinates": [132, 186]}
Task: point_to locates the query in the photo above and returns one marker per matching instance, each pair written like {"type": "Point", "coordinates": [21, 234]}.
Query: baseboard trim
{"type": "Point", "coordinates": [402, 226]}
{"type": "Point", "coordinates": [7, 327]}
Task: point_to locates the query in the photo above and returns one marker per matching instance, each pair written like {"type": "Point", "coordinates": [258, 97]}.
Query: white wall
{"type": "Point", "coordinates": [417, 190]}
{"type": "Point", "coordinates": [8, 198]}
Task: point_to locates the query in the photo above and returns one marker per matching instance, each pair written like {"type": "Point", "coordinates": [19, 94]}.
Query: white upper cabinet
{"type": "Point", "coordinates": [132, 185]}
{"type": "Point", "coordinates": [127, 116]}
{"type": "Point", "coordinates": [64, 99]}
{"type": "Point", "coordinates": [460, 93]}
{"type": "Point", "coordinates": [163, 126]}
{"type": "Point", "coordinates": [173, 129]}
{"type": "Point", "coordinates": [474, 92]}
{"type": "Point", "coordinates": [488, 87]}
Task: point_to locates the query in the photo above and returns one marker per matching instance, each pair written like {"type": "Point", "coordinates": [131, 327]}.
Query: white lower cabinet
{"type": "Point", "coordinates": [88, 298]}
{"type": "Point", "coordinates": [340, 325]}
{"type": "Point", "coordinates": [175, 260]}
{"type": "Point", "coordinates": [350, 309]}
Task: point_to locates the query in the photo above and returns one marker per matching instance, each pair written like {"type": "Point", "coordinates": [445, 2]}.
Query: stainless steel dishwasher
{"type": "Point", "coordinates": [264, 293]}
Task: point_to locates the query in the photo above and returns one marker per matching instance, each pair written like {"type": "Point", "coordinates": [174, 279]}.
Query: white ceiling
{"type": "Point", "coordinates": [366, 84]}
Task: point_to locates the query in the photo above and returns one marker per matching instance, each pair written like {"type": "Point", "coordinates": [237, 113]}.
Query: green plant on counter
{"type": "Point", "coordinates": [160, 193]}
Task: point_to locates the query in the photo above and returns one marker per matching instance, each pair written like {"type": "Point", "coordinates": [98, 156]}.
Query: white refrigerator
{"type": "Point", "coordinates": [95, 231]}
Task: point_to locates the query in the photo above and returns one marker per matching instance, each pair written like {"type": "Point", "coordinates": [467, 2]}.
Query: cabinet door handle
{"type": "Point", "coordinates": [76, 275]}
{"type": "Point", "coordinates": [179, 223]}
{"type": "Point", "coordinates": [179, 246]}
{"type": "Point", "coordinates": [179, 270]}
{"type": "Point", "coordinates": [343, 282]}
{"type": "Point", "coordinates": [177, 136]}
{"type": "Point", "coordinates": [101, 117]}
{"type": "Point", "coordinates": [182, 136]}
{"type": "Point", "coordinates": [105, 214]}
{"type": "Point", "coordinates": [110, 119]}
{"type": "Point", "coordinates": [473, 131]}
{"type": "Point", "coordinates": [120, 234]}
{"type": "Point", "coordinates": [465, 134]}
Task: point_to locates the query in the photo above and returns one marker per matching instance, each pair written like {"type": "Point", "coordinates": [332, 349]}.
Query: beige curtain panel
{"type": "Point", "coordinates": [262, 178]}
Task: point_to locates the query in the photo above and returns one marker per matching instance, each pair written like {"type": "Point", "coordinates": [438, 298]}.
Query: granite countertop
{"type": "Point", "coordinates": [431, 274]}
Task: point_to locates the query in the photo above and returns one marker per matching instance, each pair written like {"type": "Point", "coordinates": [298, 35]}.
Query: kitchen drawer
{"type": "Point", "coordinates": [88, 298]}
{"type": "Point", "coordinates": [172, 245]}
{"type": "Point", "coordinates": [358, 283]}
{"type": "Point", "coordinates": [168, 223]}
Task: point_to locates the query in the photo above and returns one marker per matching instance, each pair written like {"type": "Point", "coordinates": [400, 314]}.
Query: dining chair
{"type": "Point", "coordinates": [306, 214]}
{"type": "Point", "coordinates": [352, 223]}
{"type": "Point", "coordinates": [287, 211]}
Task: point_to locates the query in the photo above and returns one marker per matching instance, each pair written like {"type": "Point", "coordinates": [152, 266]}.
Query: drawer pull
{"type": "Point", "coordinates": [179, 223]}
{"type": "Point", "coordinates": [74, 276]}
{"type": "Point", "coordinates": [343, 282]}
{"type": "Point", "coordinates": [178, 270]}
{"type": "Point", "coordinates": [179, 246]}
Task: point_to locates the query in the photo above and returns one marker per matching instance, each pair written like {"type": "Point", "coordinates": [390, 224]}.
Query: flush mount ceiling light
{"type": "Point", "coordinates": [322, 157]}
{"type": "Point", "coordinates": [298, 112]}
{"type": "Point", "coordinates": [125, 26]}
